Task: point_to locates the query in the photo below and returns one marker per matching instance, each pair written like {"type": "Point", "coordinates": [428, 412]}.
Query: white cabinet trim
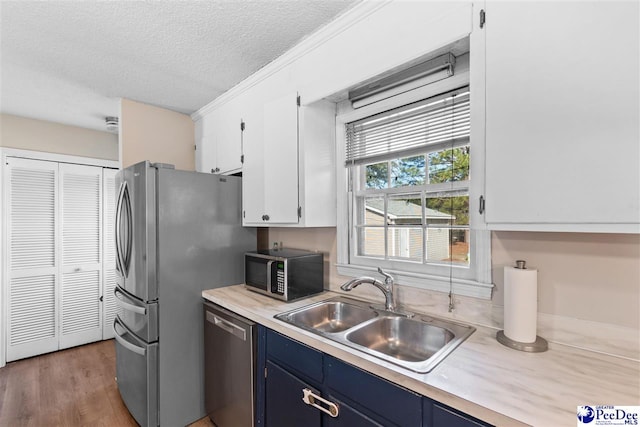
{"type": "Point", "coordinates": [340, 24]}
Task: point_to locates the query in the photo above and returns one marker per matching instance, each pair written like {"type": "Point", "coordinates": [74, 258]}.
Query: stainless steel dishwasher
{"type": "Point", "coordinates": [230, 363]}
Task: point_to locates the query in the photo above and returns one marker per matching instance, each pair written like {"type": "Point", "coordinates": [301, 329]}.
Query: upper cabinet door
{"type": "Point", "coordinates": [281, 199]}
{"type": "Point", "coordinates": [562, 116]}
{"type": "Point", "coordinates": [228, 142]}
{"type": "Point", "coordinates": [219, 142]}
{"type": "Point", "coordinates": [288, 175]}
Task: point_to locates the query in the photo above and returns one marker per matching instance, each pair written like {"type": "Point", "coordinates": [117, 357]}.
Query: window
{"type": "Point", "coordinates": [407, 207]}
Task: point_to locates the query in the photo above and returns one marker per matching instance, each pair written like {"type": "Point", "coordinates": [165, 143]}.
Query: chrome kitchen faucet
{"type": "Point", "coordinates": [386, 287]}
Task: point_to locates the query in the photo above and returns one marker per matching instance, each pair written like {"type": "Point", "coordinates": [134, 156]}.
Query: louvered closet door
{"type": "Point", "coordinates": [81, 254]}
{"type": "Point", "coordinates": [109, 306]}
{"type": "Point", "coordinates": [32, 265]}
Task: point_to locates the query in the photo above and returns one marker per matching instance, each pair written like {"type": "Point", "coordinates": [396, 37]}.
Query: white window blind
{"type": "Point", "coordinates": [442, 121]}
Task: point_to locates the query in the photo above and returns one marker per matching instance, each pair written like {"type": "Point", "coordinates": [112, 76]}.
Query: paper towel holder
{"type": "Point", "coordinates": [538, 346]}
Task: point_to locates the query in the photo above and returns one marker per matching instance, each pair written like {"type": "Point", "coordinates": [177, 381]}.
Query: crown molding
{"type": "Point", "coordinates": [311, 42]}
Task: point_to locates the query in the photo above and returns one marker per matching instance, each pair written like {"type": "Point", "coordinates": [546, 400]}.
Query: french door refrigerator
{"type": "Point", "coordinates": [177, 233]}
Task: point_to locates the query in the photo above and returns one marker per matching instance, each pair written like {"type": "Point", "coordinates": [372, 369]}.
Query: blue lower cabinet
{"type": "Point", "coordinates": [347, 416]}
{"type": "Point", "coordinates": [361, 399]}
{"type": "Point", "coordinates": [377, 398]}
{"type": "Point", "coordinates": [296, 357]}
{"type": "Point", "coordinates": [284, 405]}
{"type": "Point", "coordinates": [438, 415]}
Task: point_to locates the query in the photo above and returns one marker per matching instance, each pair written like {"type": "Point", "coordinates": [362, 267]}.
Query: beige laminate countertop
{"type": "Point", "coordinates": [481, 377]}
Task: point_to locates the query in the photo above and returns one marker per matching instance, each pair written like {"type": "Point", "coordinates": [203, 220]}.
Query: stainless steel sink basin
{"type": "Point", "coordinates": [415, 342]}
{"type": "Point", "coordinates": [402, 338]}
{"type": "Point", "coordinates": [331, 316]}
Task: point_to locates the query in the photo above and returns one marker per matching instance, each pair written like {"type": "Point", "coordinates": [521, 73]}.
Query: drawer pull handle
{"type": "Point", "coordinates": [310, 398]}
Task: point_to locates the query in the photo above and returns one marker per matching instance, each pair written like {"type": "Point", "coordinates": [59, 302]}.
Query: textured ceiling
{"type": "Point", "coordinates": [71, 61]}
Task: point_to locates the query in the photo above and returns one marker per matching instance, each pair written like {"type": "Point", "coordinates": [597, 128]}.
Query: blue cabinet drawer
{"type": "Point", "coordinates": [375, 397]}
{"type": "Point", "coordinates": [297, 357]}
{"type": "Point", "coordinates": [437, 415]}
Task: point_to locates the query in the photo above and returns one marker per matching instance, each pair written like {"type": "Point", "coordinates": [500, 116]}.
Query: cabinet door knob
{"type": "Point", "coordinates": [265, 217]}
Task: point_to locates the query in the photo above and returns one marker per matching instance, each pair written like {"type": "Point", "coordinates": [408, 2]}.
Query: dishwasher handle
{"type": "Point", "coordinates": [227, 326]}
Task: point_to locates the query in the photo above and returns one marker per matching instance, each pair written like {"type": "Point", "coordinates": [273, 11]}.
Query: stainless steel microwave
{"type": "Point", "coordinates": [285, 274]}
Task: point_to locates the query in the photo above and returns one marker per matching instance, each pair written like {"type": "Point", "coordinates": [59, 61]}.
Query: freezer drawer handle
{"type": "Point", "coordinates": [310, 398]}
{"type": "Point", "coordinates": [126, 344]}
{"type": "Point", "coordinates": [127, 306]}
{"type": "Point", "coordinates": [227, 326]}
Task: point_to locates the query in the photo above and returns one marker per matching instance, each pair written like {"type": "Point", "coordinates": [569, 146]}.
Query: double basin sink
{"type": "Point", "coordinates": [415, 342]}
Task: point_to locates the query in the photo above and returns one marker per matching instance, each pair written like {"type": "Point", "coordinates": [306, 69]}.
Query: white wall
{"type": "Point", "coordinates": [38, 135]}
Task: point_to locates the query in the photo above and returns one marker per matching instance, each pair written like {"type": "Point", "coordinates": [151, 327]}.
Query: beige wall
{"type": "Point", "coordinates": [38, 135]}
{"type": "Point", "coordinates": [155, 134]}
{"type": "Point", "coordinates": [592, 277]}
{"type": "Point", "coordinates": [585, 276]}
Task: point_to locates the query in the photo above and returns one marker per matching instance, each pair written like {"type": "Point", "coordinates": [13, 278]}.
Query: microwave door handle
{"type": "Point", "coordinates": [269, 268]}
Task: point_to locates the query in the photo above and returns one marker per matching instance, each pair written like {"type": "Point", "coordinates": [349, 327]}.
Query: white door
{"type": "Point", "coordinates": [32, 282]}
{"type": "Point", "coordinates": [109, 307]}
{"type": "Point", "coordinates": [228, 142]}
{"type": "Point", "coordinates": [281, 160]}
{"type": "Point", "coordinates": [562, 115]}
{"type": "Point", "coordinates": [252, 168]}
{"type": "Point", "coordinates": [81, 254]}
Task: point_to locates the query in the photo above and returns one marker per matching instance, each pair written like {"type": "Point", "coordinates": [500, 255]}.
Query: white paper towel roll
{"type": "Point", "coordinates": [520, 304]}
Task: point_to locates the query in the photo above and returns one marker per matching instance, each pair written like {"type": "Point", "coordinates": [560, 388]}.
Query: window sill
{"type": "Point", "coordinates": [463, 287]}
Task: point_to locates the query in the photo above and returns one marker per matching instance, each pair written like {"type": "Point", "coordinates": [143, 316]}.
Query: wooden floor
{"type": "Point", "coordinates": [74, 387]}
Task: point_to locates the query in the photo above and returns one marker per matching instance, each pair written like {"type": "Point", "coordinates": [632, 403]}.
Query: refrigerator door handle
{"type": "Point", "coordinates": [119, 336]}
{"type": "Point", "coordinates": [124, 247]}
{"type": "Point", "coordinates": [118, 215]}
{"type": "Point", "coordinates": [120, 300]}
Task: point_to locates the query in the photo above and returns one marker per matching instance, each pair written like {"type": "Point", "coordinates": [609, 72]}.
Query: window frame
{"type": "Point", "coordinates": [474, 280]}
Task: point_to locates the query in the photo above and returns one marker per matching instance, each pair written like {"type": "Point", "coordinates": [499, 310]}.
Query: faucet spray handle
{"type": "Point", "coordinates": [387, 277]}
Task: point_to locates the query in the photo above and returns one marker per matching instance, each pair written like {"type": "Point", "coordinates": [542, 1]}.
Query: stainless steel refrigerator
{"type": "Point", "coordinates": [177, 233]}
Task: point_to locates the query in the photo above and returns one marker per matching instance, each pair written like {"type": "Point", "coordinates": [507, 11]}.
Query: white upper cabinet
{"type": "Point", "coordinates": [562, 116]}
{"type": "Point", "coordinates": [281, 145]}
{"type": "Point", "coordinates": [288, 174]}
{"type": "Point", "coordinates": [219, 142]}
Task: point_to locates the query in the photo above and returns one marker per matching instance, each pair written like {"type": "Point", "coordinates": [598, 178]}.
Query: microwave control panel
{"type": "Point", "coordinates": [277, 285]}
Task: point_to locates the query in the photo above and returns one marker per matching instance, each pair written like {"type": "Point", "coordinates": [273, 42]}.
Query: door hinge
{"type": "Point", "coordinates": [298, 100]}
{"type": "Point", "coordinates": [299, 211]}
{"type": "Point", "coordinates": [242, 159]}
{"type": "Point", "coordinates": [265, 372]}
{"type": "Point", "coordinates": [195, 148]}
{"type": "Point", "coordinates": [483, 18]}
{"type": "Point", "coordinates": [481, 208]}
{"type": "Point", "coordinates": [242, 125]}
